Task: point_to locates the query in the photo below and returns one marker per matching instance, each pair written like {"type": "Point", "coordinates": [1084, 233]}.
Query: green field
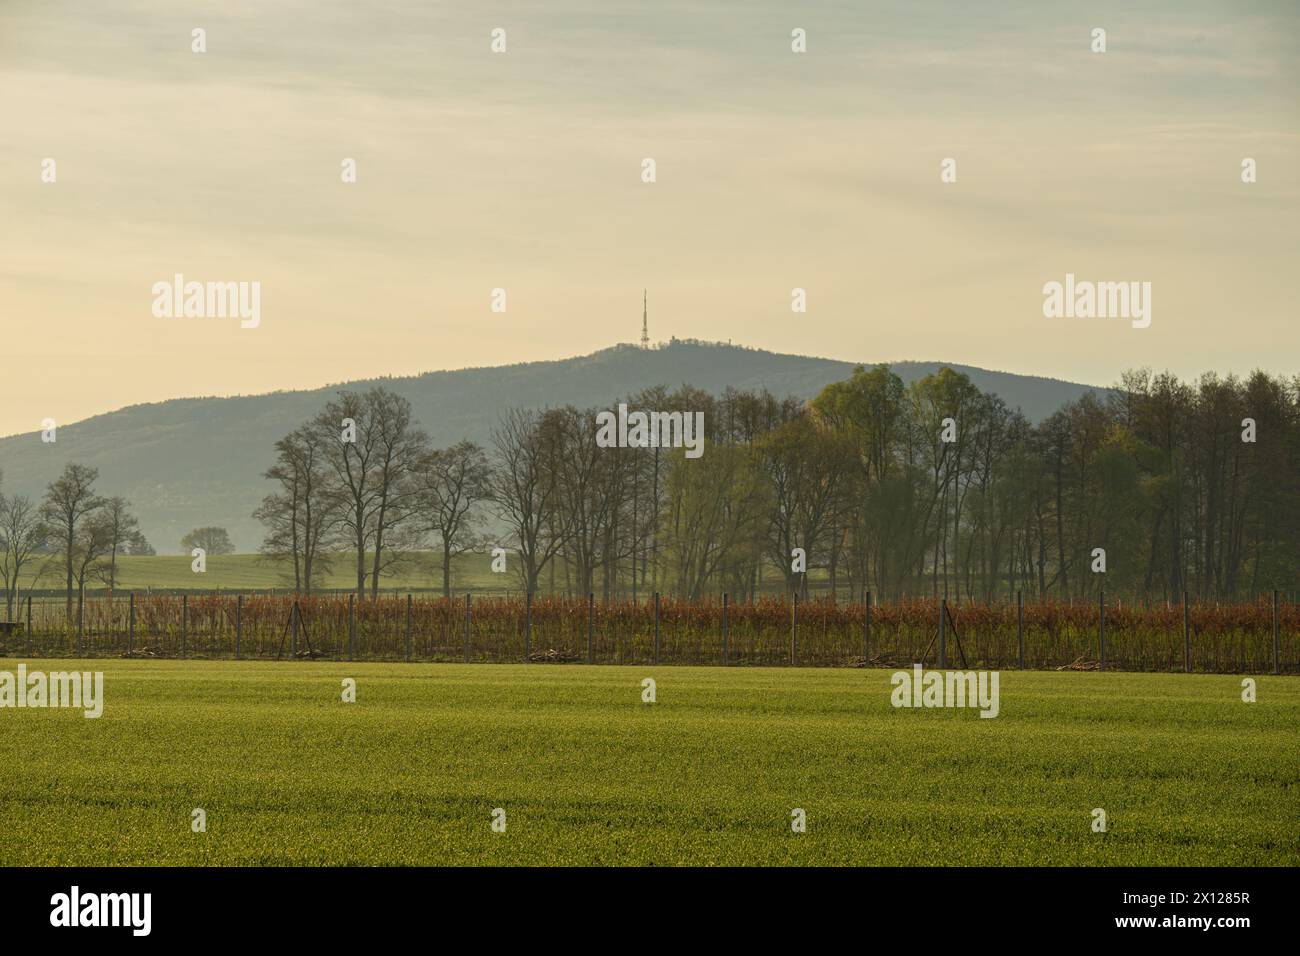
{"type": "Point", "coordinates": [421, 570]}
{"type": "Point", "coordinates": [245, 571]}
{"type": "Point", "coordinates": [588, 774]}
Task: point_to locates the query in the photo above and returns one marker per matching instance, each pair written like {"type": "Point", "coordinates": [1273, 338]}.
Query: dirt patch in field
{"type": "Point", "coordinates": [880, 660]}
{"type": "Point", "coordinates": [1081, 664]}
{"type": "Point", "coordinates": [552, 656]}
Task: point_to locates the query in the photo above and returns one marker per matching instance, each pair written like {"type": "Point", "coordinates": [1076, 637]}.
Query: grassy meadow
{"type": "Point", "coordinates": [253, 571]}
{"type": "Point", "coordinates": [589, 774]}
{"type": "Point", "coordinates": [420, 570]}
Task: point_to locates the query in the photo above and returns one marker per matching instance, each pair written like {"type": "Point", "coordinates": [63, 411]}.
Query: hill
{"type": "Point", "coordinates": [190, 462]}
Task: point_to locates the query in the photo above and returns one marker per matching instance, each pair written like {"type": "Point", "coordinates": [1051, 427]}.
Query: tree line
{"type": "Point", "coordinates": [77, 534]}
{"type": "Point", "coordinates": [73, 529]}
{"type": "Point", "coordinates": [932, 488]}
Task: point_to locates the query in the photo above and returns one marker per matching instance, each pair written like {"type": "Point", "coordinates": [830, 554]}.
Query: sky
{"type": "Point", "coordinates": [522, 170]}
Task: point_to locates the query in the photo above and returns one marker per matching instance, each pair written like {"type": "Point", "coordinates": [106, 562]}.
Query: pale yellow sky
{"type": "Point", "coordinates": [522, 170]}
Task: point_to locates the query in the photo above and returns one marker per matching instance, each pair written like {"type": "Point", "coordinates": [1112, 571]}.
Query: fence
{"type": "Point", "coordinates": [1252, 637]}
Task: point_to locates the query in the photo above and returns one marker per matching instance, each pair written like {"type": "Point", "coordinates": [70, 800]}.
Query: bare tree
{"type": "Point", "coordinates": [92, 543]}
{"type": "Point", "coordinates": [69, 501]}
{"type": "Point", "coordinates": [122, 529]}
{"type": "Point", "coordinates": [22, 535]}
{"type": "Point", "coordinates": [525, 490]}
{"type": "Point", "coordinates": [452, 483]}
{"type": "Point", "coordinates": [345, 433]}
{"type": "Point", "coordinates": [400, 446]}
{"type": "Point", "coordinates": [301, 517]}
{"type": "Point", "coordinates": [714, 515]}
{"type": "Point", "coordinates": [371, 445]}
{"type": "Point", "coordinates": [588, 497]}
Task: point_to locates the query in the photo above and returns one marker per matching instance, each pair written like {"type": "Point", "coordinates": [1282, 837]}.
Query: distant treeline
{"type": "Point", "coordinates": [75, 537]}
{"type": "Point", "coordinates": [932, 488]}
{"type": "Point", "coordinates": [72, 530]}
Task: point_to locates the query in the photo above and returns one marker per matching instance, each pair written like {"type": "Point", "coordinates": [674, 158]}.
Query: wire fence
{"type": "Point", "coordinates": [1254, 637]}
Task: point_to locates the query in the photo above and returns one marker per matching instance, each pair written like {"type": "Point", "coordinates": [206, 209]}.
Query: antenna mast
{"type": "Point", "coordinates": [645, 327]}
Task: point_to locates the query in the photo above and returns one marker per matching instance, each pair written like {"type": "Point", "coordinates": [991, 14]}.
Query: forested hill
{"type": "Point", "coordinates": [191, 462]}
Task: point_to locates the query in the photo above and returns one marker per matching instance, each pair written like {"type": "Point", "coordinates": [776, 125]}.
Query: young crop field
{"type": "Point", "coordinates": [587, 773]}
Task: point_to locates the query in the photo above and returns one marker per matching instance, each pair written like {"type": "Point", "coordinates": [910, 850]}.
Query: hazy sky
{"type": "Point", "coordinates": [522, 170]}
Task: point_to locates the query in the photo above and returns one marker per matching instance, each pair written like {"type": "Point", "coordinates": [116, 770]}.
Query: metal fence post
{"type": "Point", "coordinates": [130, 630]}
{"type": "Point", "coordinates": [294, 613]}
{"type": "Point", "coordinates": [239, 623]}
{"type": "Point", "coordinates": [866, 629]}
{"type": "Point", "coordinates": [1020, 626]}
{"type": "Point", "coordinates": [794, 626]}
{"type": "Point", "coordinates": [408, 628]}
{"type": "Point", "coordinates": [185, 622]}
{"type": "Point", "coordinates": [468, 612]}
{"type": "Point", "coordinates": [656, 627]}
{"type": "Point", "coordinates": [943, 633]}
{"type": "Point", "coordinates": [1101, 624]}
{"type": "Point", "coordinates": [81, 619]}
{"type": "Point", "coordinates": [352, 624]}
{"type": "Point", "coordinates": [591, 621]}
{"type": "Point", "coordinates": [726, 649]}
{"type": "Point", "coordinates": [29, 625]}
{"type": "Point", "coordinates": [1187, 636]}
{"type": "Point", "coordinates": [528, 629]}
{"type": "Point", "coordinates": [1277, 657]}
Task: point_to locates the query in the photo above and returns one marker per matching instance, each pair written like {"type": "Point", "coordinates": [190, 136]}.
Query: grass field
{"type": "Point", "coordinates": [236, 571]}
{"type": "Point", "coordinates": [588, 774]}
{"type": "Point", "coordinates": [470, 572]}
